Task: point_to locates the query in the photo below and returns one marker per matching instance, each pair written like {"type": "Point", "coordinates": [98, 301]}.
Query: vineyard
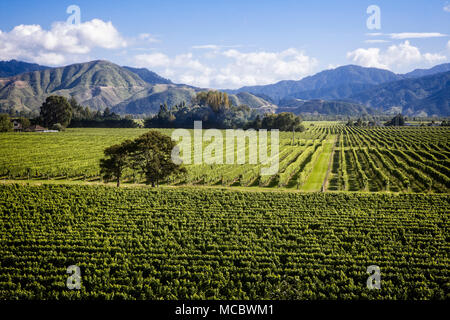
{"type": "Point", "coordinates": [326, 157]}
{"type": "Point", "coordinates": [186, 243]}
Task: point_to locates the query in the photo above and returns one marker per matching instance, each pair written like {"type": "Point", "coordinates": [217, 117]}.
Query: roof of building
{"type": "Point", "coordinates": [37, 127]}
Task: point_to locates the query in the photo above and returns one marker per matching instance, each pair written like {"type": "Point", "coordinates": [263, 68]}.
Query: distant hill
{"type": "Point", "coordinates": [324, 107]}
{"type": "Point", "coordinates": [345, 90]}
{"type": "Point", "coordinates": [100, 84]}
{"type": "Point", "coordinates": [427, 95]}
{"type": "Point", "coordinates": [350, 75]}
{"type": "Point", "coordinates": [148, 76]}
{"type": "Point", "coordinates": [377, 89]}
{"type": "Point", "coordinates": [427, 72]}
{"type": "Point", "coordinates": [97, 84]}
{"type": "Point", "coordinates": [149, 100]}
{"type": "Point", "coordinates": [251, 101]}
{"type": "Point", "coordinates": [13, 67]}
{"type": "Point", "coordinates": [337, 92]}
{"type": "Point", "coordinates": [437, 103]}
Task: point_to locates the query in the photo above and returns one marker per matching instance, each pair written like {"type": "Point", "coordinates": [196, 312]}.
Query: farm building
{"type": "Point", "coordinates": [36, 128]}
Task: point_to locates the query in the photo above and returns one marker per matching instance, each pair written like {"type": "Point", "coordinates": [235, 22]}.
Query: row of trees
{"type": "Point", "coordinates": [59, 112]}
{"type": "Point", "coordinates": [398, 120]}
{"type": "Point", "coordinates": [149, 156]}
{"type": "Point", "coordinates": [360, 123]}
{"type": "Point", "coordinates": [6, 124]}
{"type": "Point", "coordinates": [285, 121]}
{"type": "Point", "coordinates": [182, 116]}
{"type": "Point", "coordinates": [215, 110]}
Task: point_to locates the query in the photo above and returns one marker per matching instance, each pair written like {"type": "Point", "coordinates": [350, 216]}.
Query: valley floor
{"type": "Point", "coordinates": [364, 159]}
{"type": "Point", "coordinates": [225, 231]}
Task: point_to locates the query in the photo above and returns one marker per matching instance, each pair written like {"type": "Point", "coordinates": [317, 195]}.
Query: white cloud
{"type": "Point", "coordinates": [152, 60]}
{"type": "Point", "coordinates": [446, 7]}
{"type": "Point", "coordinates": [147, 37]}
{"type": "Point", "coordinates": [367, 58]}
{"type": "Point", "coordinates": [207, 47]}
{"type": "Point", "coordinates": [376, 41]}
{"type": "Point", "coordinates": [413, 35]}
{"type": "Point", "coordinates": [187, 61]}
{"type": "Point", "coordinates": [61, 43]}
{"type": "Point", "coordinates": [399, 57]}
{"type": "Point", "coordinates": [182, 68]}
{"type": "Point", "coordinates": [215, 46]}
{"type": "Point", "coordinates": [238, 68]}
{"type": "Point", "coordinates": [266, 67]}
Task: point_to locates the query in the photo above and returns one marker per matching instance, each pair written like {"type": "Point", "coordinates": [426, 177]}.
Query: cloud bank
{"type": "Point", "coordinates": [61, 44]}
{"type": "Point", "coordinates": [398, 58]}
{"type": "Point", "coordinates": [237, 68]}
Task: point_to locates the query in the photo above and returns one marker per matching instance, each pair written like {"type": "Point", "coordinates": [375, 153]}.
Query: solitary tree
{"type": "Point", "coordinates": [151, 156]}
{"type": "Point", "coordinates": [56, 109]}
{"type": "Point", "coordinates": [116, 161]}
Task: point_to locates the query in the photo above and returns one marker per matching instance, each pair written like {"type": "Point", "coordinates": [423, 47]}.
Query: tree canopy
{"type": "Point", "coordinates": [56, 109]}
{"type": "Point", "coordinates": [216, 100]}
{"type": "Point", "coordinates": [396, 121]}
{"type": "Point", "coordinates": [5, 123]}
{"type": "Point", "coordinates": [183, 116]}
{"type": "Point", "coordinates": [285, 121]}
{"type": "Point", "coordinates": [116, 161]}
{"type": "Point", "coordinates": [152, 157]}
{"type": "Point", "coordinates": [149, 156]}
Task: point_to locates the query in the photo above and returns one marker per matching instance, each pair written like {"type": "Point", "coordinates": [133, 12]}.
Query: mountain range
{"type": "Point", "coordinates": [427, 95]}
{"type": "Point", "coordinates": [346, 90]}
{"type": "Point", "coordinates": [100, 84]}
{"type": "Point", "coordinates": [340, 77]}
{"type": "Point", "coordinates": [419, 92]}
{"type": "Point", "coordinates": [14, 67]}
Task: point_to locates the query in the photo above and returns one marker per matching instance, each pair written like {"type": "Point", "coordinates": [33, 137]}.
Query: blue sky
{"type": "Point", "coordinates": [228, 44]}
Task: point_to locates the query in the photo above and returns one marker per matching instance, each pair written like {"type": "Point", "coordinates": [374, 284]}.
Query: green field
{"type": "Point", "coordinates": [224, 231]}
{"type": "Point", "coordinates": [187, 243]}
{"type": "Point", "coordinates": [413, 159]}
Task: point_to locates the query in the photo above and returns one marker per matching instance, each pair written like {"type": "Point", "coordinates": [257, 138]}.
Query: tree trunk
{"type": "Point", "coordinates": [118, 182]}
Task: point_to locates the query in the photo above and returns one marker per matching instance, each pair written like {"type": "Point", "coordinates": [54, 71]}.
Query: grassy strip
{"type": "Point", "coordinates": [319, 172]}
